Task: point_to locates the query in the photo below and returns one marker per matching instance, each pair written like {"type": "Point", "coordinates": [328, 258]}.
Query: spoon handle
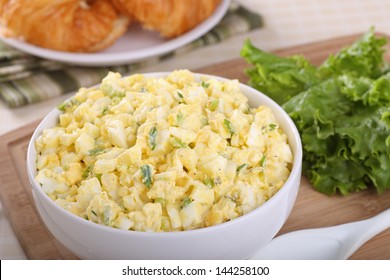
{"type": "Point", "coordinates": [367, 229]}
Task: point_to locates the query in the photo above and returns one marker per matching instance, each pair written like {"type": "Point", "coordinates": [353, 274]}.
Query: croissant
{"type": "Point", "coordinates": [2, 4]}
{"type": "Point", "coordinates": [66, 25]}
{"type": "Point", "coordinates": [169, 17]}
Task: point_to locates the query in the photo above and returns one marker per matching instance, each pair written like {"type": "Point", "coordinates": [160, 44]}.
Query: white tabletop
{"type": "Point", "coordinates": [286, 23]}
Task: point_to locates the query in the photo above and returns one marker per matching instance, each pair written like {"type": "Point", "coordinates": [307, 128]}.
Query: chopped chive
{"type": "Point", "coordinates": [93, 212]}
{"type": "Point", "coordinates": [205, 85]}
{"type": "Point", "coordinates": [229, 126]}
{"type": "Point", "coordinates": [146, 172]}
{"type": "Point", "coordinates": [152, 141]}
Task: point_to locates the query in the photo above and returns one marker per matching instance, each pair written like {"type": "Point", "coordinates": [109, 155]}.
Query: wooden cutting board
{"type": "Point", "coordinates": [311, 209]}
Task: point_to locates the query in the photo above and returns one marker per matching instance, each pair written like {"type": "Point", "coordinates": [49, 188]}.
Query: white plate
{"type": "Point", "coordinates": [137, 44]}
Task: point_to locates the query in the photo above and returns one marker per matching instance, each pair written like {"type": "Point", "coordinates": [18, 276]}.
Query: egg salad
{"type": "Point", "coordinates": [162, 154]}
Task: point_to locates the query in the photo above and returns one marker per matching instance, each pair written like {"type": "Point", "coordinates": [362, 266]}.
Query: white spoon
{"type": "Point", "coordinates": [331, 243]}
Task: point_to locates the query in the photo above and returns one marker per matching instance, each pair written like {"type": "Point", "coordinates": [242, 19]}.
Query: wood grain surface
{"type": "Point", "coordinates": [311, 210]}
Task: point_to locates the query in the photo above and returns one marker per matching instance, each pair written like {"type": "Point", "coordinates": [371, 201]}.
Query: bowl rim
{"type": "Point", "coordinates": [288, 184]}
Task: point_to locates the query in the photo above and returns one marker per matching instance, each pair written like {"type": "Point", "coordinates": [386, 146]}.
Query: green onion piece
{"type": "Point", "coordinates": [105, 111]}
{"type": "Point", "coordinates": [115, 100]}
{"type": "Point", "coordinates": [229, 126]}
{"type": "Point", "coordinates": [153, 138]}
{"type": "Point", "coordinates": [213, 104]}
{"type": "Point", "coordinates": [99, 177]}
{"type": "Point", "coordinates": [165, 224]}
{"type": "Point", "coordinates": [180, 97]}
{"type": "Point", "coordinates": [186, 201]}
{"type": "Point", "coordinates": [87, 171]}
{"type": "Point", "coordinates": [204, 121]}
{"type": "Point", "coordinates": [209, 182]}
{"type": "Point", "coordinates": [247, 109]}
{"type": "Point", "coordinates": [96, 151]}
{"type": "Point", "coordinates": [62, 107]}
{"type": "Point", "coordinates": [240, 167]}
{"type": "Point", "coordinates": [67, 104]}
{"type": "Point", "coordinates": [180, 118]}
{"type": "Point", "coordinates": [272, 126]}
{"type": "Point", "coordinates": [178, 143]}
{"type": "Point", "coordinates": [205, 85]}
{"type": "Point", "coordinates": [262, 161]}
{"type": "Point", "coordinates": [160, 200]}
{"type": "Point", "coordinates": [146, 172]}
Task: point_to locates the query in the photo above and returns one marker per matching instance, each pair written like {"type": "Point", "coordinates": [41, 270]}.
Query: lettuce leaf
{"type": "Point", "coordinates": [341, 109]}
{"type": "Point", "coordinates": [363, 58]}
{"type": "Point", "coordinates": [344, 140]}
{"type": "Point", "coordinates": [282, 78]}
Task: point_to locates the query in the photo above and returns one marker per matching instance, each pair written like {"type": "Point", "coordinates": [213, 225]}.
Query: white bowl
{"type": "Point", "coordinates": [236, 239]}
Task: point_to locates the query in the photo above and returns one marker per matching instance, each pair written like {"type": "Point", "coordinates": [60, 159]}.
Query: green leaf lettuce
{"type": "Point", "coordinates": [341, 109]}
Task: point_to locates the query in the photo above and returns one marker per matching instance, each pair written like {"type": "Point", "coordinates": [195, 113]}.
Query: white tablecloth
{"type": "Point", "coordinates": [286, 23]}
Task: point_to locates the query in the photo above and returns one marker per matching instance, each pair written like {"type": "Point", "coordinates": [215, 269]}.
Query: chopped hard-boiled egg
{"type": "Point", "coordinates": [162, 154]}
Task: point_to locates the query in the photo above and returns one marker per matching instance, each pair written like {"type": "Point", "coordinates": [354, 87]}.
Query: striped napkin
{"type": "Point", "coordinates": [25, 79]}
